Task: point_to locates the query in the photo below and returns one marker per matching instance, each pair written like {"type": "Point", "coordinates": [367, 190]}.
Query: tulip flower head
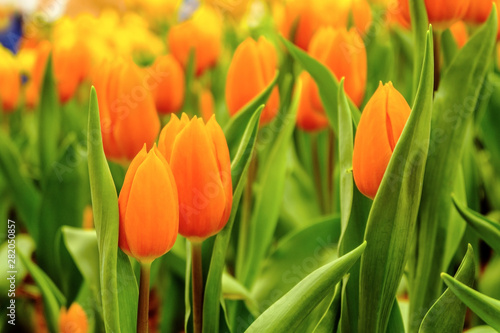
{"type": "Point", "coordinates": [73, 320]}
{"type": "Point", "coordinates": [309, 118]}
{"type": "Point", "coordinates": [169, 91]}
{"type": "Point", "coordinates": [252, 69]}
{"type": "Point", "coordinates": [442, 14]}
{"type": "Point", "coordinates": [10, 82]}
{"type": "Point", "coordinates": [479, 10]}
{"type": "Point", "coordinates": [149, 208]}
{"type": "Point", "coordinates": [199, 158]}
{"type": "Point", "coordinates": [344, 53]}
{"type": "Point", "coordinates": [35, 81]}
{"type": "Point", "coordinates": [459, 31]}
{"type": "Point", "coordinates": [201, 33]}
{"type": "Point", "coordinates": [379, 129]}
{"type": "Point", "coordinates": [127, 110]}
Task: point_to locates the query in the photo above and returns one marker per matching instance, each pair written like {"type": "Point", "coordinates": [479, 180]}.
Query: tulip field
{"type": "Point", "coordinates": [257, 166]}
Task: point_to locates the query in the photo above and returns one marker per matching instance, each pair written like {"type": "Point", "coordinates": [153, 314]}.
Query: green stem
{"type": "Point", "coordinates": [143, 310]}
{"type": "Point", "coordinates": [331, 169]}
{"type": "Point", "coordinates": [197, 271]}
{"type": "Point", "coordinates": [317, 172]}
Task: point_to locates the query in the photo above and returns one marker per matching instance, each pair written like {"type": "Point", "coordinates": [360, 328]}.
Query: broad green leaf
{"type": "Point", "coordinates": [268, 201]}
{"type": "Point", "coordinates": [482, 329]}
{"type": "Point", "coordinates": [488, 230]}
{"type": "Point", "coordinates": [449, 46]}
{"type": "Point", "coordinates": [82, 246]}
{"type": "Point", "coordinates": [448, 312]}
{"type": "Point", "coordinates": [118, 286]}
{"type": "Point", "coordinates": [292, 309]}
{"type": "Point", "coordinates": [395, 324]}
{"type": "Point", "coordinates": [238, 123]}
{"type": "Point", "coordinates": [312, 247]}
{"type": "Point", "coordinates": [49, 120]}
{"type": "Point", "coordinates": [26, 245]}
{"type": "Point", "coordinates": [489, 284]}
{"type": "Point", "coordinates": [419, 26]}
{"type": "Point", "coordinates": [487, 308]}
{"type": "Point", "coordinates": [454, 104]}
{"type": "Point", "coordinates": [327, 84]}
{"type": "Point", "coordinates": [25, 195]}
{"type": "Point", "coordinates": [394, 212]}
{"type": "Point", "coordinates": [63, 201]}
{"type": "Point", "coordinates": [52, 297]}
{"type": "Point", "coordinates": [239, 169]}
{"type": "Point", "coordinates": [232, 289]}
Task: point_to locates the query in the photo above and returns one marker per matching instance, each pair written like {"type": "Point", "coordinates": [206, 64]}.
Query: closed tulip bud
{"type": "Point", "coordinates": [127, 110]}
{"type": "Point", "coordinates": [344, 53]}
{"type": "Point", "coordinates": [459, 31]}
{"type": "Point", "coordinates": [168, 89]}
{"type": "Point", "coordinates": [479, 10]}
{"type": "Point", "coordinates": [379, 129]}
{"type": "Point", "coordinates": [73, 320]}
{"type": "Point", "coordinates": [252, 69]}
{"type": "Point", "coordinates": [36, 77]}
{"type": "Point", "coordinates": [308, 117]}
{"type": "Point", "coordinates": [10, 82]}
{"type": "Point", "coordinates": [149, 207]}
{"type": "Point", "coordinates": [199, 158]}
{"type": "Point", "coordinates": [71, 65]}
{"type": "Point", "coordinates": [442, 14]}
{"type": "Point", "coordinates": [201, 33]}
{"type": "Point", "coordinates": [207, 104]}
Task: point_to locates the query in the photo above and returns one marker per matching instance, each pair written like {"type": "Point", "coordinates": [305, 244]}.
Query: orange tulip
{"type": "Point", "coordinates": [479, 10]}
{"type": "Point", "coordinates": [344, 53]}
{"type": "Point", "coordinates": [149, 208]}
{"type": "Point", "coordinates": [207, 105]}
{"type": "Point", "coordinates": [304, 18]}
{"type": "Point", "coordinates": [10, 82]}
{"type": "Point", "coordinates": [459, 31]}
{"type": "Point", "coordinates": [203, 34]}
{"type": "Point", "coordinates": [199, 158]}
{"type": "Point", "coordinates": [308, 117]}
{"type": "Point", "coordinates": [250, 72]}
{"type": "Point", "coordinates": [442, 14]}
{"type": "Point", "coordinates": [73, 320]}
{"type": "Point", "coordinates": [127, 110]}
{"type": "Point", "coordinates": [379, 129]}
{"type": "Point", "coordinates": [35, 82]}
{"type": "Point", "coordinates": [168, 92]}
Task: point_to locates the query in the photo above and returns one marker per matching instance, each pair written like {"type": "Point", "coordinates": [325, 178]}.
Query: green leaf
{"type": "Point", "coordinates": [448, 312]}
{"type": "Point", "coordinates": [419, 26]}
{"type": "Point", "coordinates": [454, 104]}
{"type": "Point", "coordinates": [52, 297]}
{"type": "Point", "coordinates": [292, 309]}
{"type": "Point", "coordinates": [488, 230]}
{"type": "Point", "coordinates": [49, 120]}
{"type": "Point", "coordinates": [482, 329]}
{"type": "Point", "coordinates": [26, 245]}
{"type": "Point", "coordinates": [239, 169]}
{"type": "Point", "coordinates": [395, 209]}
{"type": "Point", "coordinates": [395, 324]}
{"type": "Point", "coordinates": [487, 308]}
{"type": "Point", "coordinates": [238, 123]}
{"type": "Point", "coordinates": [25, 195]}
{"type": "Point", "coordinates": [327, 84]}
{"type": "Point", "coordinates": [82, 246]}
{"type": "Point", "coordinates": [268, 201]}
{"type": "Point", "coordinates": [296, 256]}
{"type": "Point", "coordinates": [119, 300]}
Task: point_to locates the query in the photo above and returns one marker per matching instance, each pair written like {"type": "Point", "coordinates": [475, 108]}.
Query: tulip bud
{"type": "Point", "coordinates": [442, 14]}
{"type": "Point", "coordinates": [308, 117]}
{"type": "Point", "coordinates": [207, 104]}
{"type": "Point", "coordinates": [149, 208]}
{"type": "Point", "coordinates": [10, 82]}
{"type": "Point", "coordinates": [35, 81]}
{"type": "Point", "coordinates": [168, 88]}
{"type": "Point", "coordinates": [199, 158]}
{"type": "Point", "coordinates": [380, 126]}
{"type": "Point", "coordinates": [252, 69]}
{"type": "Point", "coordinates": [344, 53]}
{"type": "Point", "coordinates": [202, 33]}
{"type": "Point", "coordinates": [479, 10]}
{"type": "Point", "coordinates": [71, 65]}
{"type": "Point", "coordinates": [459, 31]}
{"type": "Point", "coordinates": [73, 320]}
{"type": "Point", "coordinates": [127, 110]}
